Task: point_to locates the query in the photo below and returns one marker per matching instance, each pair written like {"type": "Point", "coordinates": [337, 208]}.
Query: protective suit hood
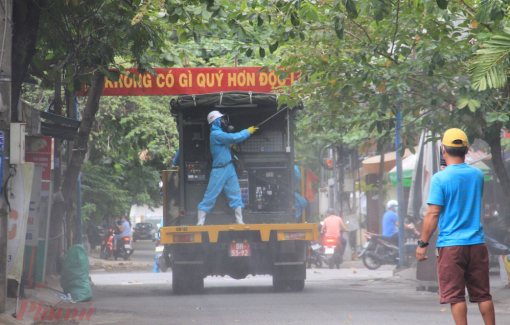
{"type": "Point", "coordinates": [216, 125]}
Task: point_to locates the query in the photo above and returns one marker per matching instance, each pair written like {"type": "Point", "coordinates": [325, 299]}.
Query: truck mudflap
{"type": "Point", "coordinates": [195, 234]}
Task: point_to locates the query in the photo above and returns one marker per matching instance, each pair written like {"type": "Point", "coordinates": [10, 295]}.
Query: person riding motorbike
{"type": "Point", "coordinates": [331, 226]}
{"type": "Point", "coordinates": [223, 175]}
{"type": "Point", "coordinates": [390, 222]}
{"type": "Point", "coordinates": [124, 229]}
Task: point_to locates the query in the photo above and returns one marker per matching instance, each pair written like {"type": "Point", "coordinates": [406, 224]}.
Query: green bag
{"type": "Point", "coordinates": [75, 274]}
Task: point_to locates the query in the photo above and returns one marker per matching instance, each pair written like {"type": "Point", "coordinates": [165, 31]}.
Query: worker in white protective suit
{"type": "Point", "coordinates": [223, 175]}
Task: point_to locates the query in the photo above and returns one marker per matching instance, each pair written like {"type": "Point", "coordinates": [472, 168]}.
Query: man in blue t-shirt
{"type": "Point", "coordinates": [462, 258]}
{"type": "Point", "coordinates": [390, 219]}
{"type": "Point", "coordinates": [390, 222]}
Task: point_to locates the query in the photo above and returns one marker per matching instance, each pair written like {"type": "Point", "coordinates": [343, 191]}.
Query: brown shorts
{"type": "Point", "coordinates": [459, 267]}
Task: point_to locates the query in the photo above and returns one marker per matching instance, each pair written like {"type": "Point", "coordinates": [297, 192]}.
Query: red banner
{"type": "Point", "coordinates": [181, 81]}
{"type": "Point", "coordinates": [40, 152]}
{"type": "Point", "coordinates": [310, 178]}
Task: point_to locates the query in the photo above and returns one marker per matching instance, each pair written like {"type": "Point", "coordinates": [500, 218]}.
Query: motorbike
{"type": "Point", "coordinates": [123, 250]}
{"type": "Point", "coordinates": [331, 251]}
{"type": "Point", "coordinates": [313, 255]}
{"type": "Point", "coordinates": [379, 250]}
{"type": "Point", "coordinates": [496, 249]}
{"type": "Point", "coordinates": [95, 235]}
{"type": "Point", "coordinates": [161, 261]}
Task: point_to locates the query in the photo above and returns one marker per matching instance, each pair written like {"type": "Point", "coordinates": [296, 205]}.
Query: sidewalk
{"type": "Point", "coordinates": [500, 295]}
{"type": "Point", "coordinates": [99, 265]}
{"type": "Point", "coordinates": [30, 309]}
{"type": "Point", "coordinates": [43, 303]}
{"type": "Point", "coordinates": [43, 306]}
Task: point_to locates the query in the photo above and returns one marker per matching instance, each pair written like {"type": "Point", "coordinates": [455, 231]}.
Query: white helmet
{"type": "Point", "coordinates": [392, 203]}
{"type": "Point", "coordinates": [211, 117]}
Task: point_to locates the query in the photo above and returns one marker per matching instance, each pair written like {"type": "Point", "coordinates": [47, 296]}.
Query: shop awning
{"type": "Point", "coordinates": [371, 165]}
{"type": "Point", "coordinates": [472, 158]}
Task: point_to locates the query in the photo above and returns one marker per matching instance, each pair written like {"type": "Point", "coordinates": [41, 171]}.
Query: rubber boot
{"type": "Point", "coordinates": [201, 217]}
{"type": "Point", "coordinates": [156, 267]}
{"type": "Point", "coordinates": [239, 215]}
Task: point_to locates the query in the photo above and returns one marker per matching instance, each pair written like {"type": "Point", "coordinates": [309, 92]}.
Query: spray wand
{"type": "Point", "coordinates": [258, 125]}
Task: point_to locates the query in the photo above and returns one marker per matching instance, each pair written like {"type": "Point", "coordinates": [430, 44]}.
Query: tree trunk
{"type": "Point", "coordinates": [494, 141]}
{"type": "Point", "coordinates": [57, 106]}
{"type": "Point", "coordinates": [380, 188]}
{"type": "Point", "coordinates": [25, 18]}
{"type": "Point", "coordinates": [80, 146]}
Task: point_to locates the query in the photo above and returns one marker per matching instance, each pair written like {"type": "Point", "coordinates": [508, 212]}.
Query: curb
{"type": "Point", "coordinates": [6, 319]}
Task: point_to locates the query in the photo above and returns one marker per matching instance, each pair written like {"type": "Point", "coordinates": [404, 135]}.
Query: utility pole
{"type": "Point", "coordinates": [72, 113]}
{"type": "Point", "coordinates": [400, 190]}
{"type": "Point", "coordinates": [5, 122]}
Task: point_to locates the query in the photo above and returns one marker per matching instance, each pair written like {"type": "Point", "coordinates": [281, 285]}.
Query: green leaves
{"type": "Point", "coordinates": [262, 52]}
{"type": "Point", "coordinates": [442, 4]}
{"type": "Point", "coordinates": [338, 27]}
{"type": "Point", "coordinates": [493, 117]}
{"type": "Point", "coordinates": [473, 104]}
{"type": "Point", "coordinates": [489, 67]}
{"type": "Point", "coordinates": [489, 10]}
{"type": "Point", "coordinates": [309, 12]}
{"type": "Point", "coordinates": [273, 47]}
{"type": "Point", "coordinates": [134, 139]}
{"type": "Point", "coordinates": [350, 7]}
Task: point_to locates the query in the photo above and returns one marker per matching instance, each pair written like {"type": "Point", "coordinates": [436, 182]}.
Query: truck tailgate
{"type": "Point", "coordinates": [193, 234]}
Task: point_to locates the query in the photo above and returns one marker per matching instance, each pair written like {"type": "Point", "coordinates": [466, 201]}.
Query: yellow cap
{"type": "Point", "coordinates": [455, 138]}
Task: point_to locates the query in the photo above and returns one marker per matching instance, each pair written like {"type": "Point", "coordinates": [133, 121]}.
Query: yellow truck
{"type": "Point", "coordinates": [273, 240]}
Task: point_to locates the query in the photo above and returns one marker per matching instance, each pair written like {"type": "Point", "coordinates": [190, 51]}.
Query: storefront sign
{"type": "Point", "coordinates": [19, 200]}
{"type": "Point", "coordinates": [32, 236]}
{"type": "Point", "coordinates": [39, 151]}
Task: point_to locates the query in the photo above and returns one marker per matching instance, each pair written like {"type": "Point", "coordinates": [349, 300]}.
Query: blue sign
{"type": "Point", "coordinates": [2, 138]}
{"type": "Point", "coordinates": [1, 168]}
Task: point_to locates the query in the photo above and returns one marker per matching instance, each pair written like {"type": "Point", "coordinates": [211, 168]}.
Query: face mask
{"type": "Point", "coordinates": [226, 126]}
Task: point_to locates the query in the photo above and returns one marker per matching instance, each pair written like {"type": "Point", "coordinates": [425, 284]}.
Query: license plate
{"type": "Point", "coordinates": [239, 249]}
{"type": "Point", "coordinates": [365, 245]}
{"type": "Point", "coordinates": [127, 246]}
{"type": "Point", "coordinates": [329, 250]}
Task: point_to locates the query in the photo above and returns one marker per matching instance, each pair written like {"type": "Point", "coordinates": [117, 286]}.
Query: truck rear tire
{"type": "Point", "coordinates": [179, 284]}
{"type": "Point", "coordinates": [297, 285]}
{"type": "Point", "coordinates": [197, 284]}
{"type": "Point", "coordinates": [186, 282]}
{"type": "Point", "coordinates": [279, 285]}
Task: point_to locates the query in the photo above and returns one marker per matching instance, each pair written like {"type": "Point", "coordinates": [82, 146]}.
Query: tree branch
{"type": "Point", "coordinates": [378, 52]}
{"type": "Point", "coordinates": [472, 15]}
{"type": "Point", "coordinates": [363, 29]}
{"type": "Point", "coordinates": [396, 28]}
{"type": "Point", "coordinates": [40, 74]}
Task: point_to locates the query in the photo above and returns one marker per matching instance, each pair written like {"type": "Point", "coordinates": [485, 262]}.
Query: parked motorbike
{"type": "Point", "coordinates": [496, 249]}
{"type": "Point", "coordinates": [331, 252]}
{"type": "Point", "coordinates": [314, 255]}
{"type": "Point", "coordinates": [95, 235]}
{"type": "Point", "coordinates": [379, 250]}
{"type": "Point", "coordinates": [123, 250]}
{"type": "Point", "coordinates": [160, 258]}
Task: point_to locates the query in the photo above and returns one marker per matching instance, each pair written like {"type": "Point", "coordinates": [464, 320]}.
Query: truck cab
{"type": "Point", "coordinates": [272, 241]}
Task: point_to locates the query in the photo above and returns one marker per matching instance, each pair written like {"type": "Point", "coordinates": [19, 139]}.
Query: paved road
{"type": "Point", "coordinates": [144, 251]}
{"type": "Point", "coordinates": [353, 296]}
